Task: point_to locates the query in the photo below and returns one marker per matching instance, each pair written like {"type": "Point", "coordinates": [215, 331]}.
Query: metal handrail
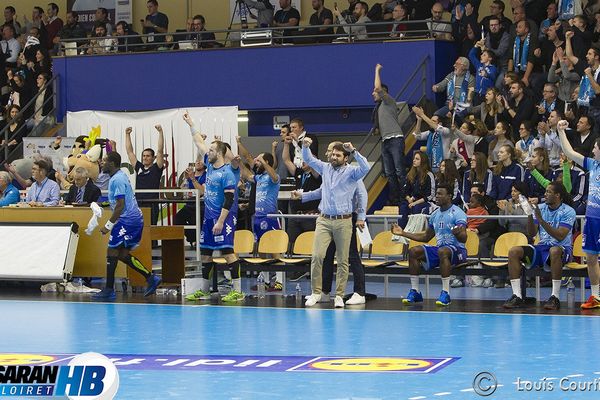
{"type": "Point", "coordinates": [279, 33]}
{"type": "Point", "coordinates": [4, 132]}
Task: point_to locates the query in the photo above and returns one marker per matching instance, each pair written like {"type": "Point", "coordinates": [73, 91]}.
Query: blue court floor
{"type": "Point", "coordinates": [165, 344]}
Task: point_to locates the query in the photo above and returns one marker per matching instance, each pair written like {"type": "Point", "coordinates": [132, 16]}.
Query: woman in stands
{"type": "Point", "coordinates": [501, 134]}
{"type": "Point", "coordinates": [539, 161]}
{"type": "Point", "coordinates": [505, 173]}
{"type": "Point", "coordinates": [526, 143]}
{"type": "Point", "coordinates": [462, 147]}
{"type": "Point", "coordinates": [512, 206]}
{"type": "Point", "coordinates": [478, 173]}
{"type": "Point", "coordinates": [420, 187]}
{"type": "Point", "coordinates": [490, 110]}
{"type": "Point", "coordinates": [15, 130]}
{"type": "Point", "coordinates": [448, 174]}
{"type": "Point", "coordinates": [43, 63]}
{"type": "Point", "coordinates": [591, 230]}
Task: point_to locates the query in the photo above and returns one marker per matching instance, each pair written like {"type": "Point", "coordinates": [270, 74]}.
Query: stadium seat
{"type": "Point", "coordinates": [388, 210]}
{"type": "Point", "coordinates": [472, 244]}
{"type": "Point", "coordinates": [503, 245]}
{"type": "Point", "coordinates": [243, 243]}
{"type": "Point", "coordinates": [577, 252]}
{"type": "Point", "coordinates": [272, 242]}
{"type": "Point", "coordinates": [303, 246]}
{"type": "Point", "coordinates": [383, 246]}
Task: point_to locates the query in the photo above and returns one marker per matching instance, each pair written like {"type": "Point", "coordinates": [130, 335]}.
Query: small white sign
{"type": "Point", "coordinates": [280, 120]}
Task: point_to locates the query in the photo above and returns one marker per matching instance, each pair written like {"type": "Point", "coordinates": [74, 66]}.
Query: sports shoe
{"type": "Point", "coordinates": [325, 298]}
{"type": "Point", "coordinates": [487, 283]}
{"type": "Point", "coordinates": [338, 302]}
{"type": "Point", "coordinates": [312, 299]}
{"type": "Point", "coordinates": [444, 299]}
{"type": "Point", "coordinates": [456, 282]}
{"type": "Point", "coordinates": [105, 295]}
{"type": "Point", "coordinates": [233, 296]}
{"type": "Point", "coordinates": [514, 302]}
{"type": "Point", "coordinates": [276, 287]}
{"type": "Point", "coordinates": [355, 299]}
{"type": "Point", "coordinates": [413, 297]}
{"type": "Point", "coordinates": [153, 282]}
{"type": "Point", "coordinates": [592, 302]}
{"type": "Point", "coordinates": [198, 295]}
{"type": "Point", "coordinates": [552, 303]}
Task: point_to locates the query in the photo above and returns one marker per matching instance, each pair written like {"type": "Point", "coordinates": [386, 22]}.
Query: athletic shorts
{"type": "Point", "coordinates": [125, 235]}
{"type": "Point", "coordinates": [223, 240]}
{"type": "Point", "coordinates": [264, 224]}
{"type": "Point", "coordinates": [432, 260]}
{"type": "Point", "coordinates": [591, 235]}
{"type": "Point", "coordinates": [538, 255]}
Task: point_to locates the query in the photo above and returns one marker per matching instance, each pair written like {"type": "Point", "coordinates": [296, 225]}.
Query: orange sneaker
{"type": "Point", "coordinates": [592, 302]}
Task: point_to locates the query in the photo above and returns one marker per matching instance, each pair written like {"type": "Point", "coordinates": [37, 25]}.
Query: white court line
{"type": "Point", "coordinates": [417, 398]}
{"type": "Point", "coordinates": [442, 394]}
{"type": "Point", "coordinates": [574, 376]}
{"type": "Point", "coordinates": [467, 390]}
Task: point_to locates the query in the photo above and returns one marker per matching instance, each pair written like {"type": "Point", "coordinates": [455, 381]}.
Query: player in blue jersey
{"type": "Point", "coordinates": [591, 229]}
{"type": "Point", "coordinates": [448, 224]}
{"type": "Point", "coordinates": [218, 227]}
{"type": "Point", "coordinates": [125, 226]}
{"type": "Point", "coordinates": [553, 221]}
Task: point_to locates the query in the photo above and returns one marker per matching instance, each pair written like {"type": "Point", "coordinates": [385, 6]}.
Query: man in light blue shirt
{"type": "Point", "coordinates": [10, 194]}
{"type": "Point", "coordinates": [340, 181]}
{"type": "Point", "coordinates": [44, 192]}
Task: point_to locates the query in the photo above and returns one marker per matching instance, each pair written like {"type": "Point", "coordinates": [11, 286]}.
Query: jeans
{"type": "Point", "coordinates": [392, 155]}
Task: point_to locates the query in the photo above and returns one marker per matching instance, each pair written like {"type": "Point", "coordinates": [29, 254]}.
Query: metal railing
{"type": "Point", "coordinates": [31, 105]}
{"type": "Point", "coordinates": [219, 38]}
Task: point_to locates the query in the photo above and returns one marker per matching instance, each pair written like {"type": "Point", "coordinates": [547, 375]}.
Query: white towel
{"type": "Point", "coordinates": [93, 223]}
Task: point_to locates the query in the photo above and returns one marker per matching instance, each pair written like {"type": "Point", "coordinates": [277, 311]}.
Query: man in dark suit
{"type": "Point", "coordinates": [84, 191]}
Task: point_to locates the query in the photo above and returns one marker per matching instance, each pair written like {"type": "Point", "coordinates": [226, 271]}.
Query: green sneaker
{"type": "Point", "coordinates": [233, 296]}
{"type": "Point", "coordinates": [198, 295]}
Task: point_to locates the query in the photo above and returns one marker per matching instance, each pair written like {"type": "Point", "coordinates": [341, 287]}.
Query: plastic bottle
{"type": "Point", "coordinates": [260, 286]}
{"type": "Point", "coordinates": [525, 205]}
{"type": "Point", "coordinates": [23, 196]}
{"type": "Point", "coordinates": [570, 294]}
{"type": "Point", "coordinates": [298, 292]}
{"type": "Point", "coordinates": [172, 292]}
{"type": "Point", "coordinates": [78, 283]}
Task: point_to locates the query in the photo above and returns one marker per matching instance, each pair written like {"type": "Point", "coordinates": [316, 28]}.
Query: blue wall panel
{"type": "Point", "coordinates": [269, 78]}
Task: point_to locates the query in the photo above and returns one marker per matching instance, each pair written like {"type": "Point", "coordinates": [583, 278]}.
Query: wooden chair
{"type": "Point", "coordinates": [303, 246]}
{"type": "Point", "coordinates": [243, 243]}
{"type": "Point", "coordinates": [383, 246]}
{"type": "Point", "coordinates": [502, 246]}
{"type": "Point", "coordinates": [388, 210]}
{"type": "Point", "coordinates": [272, 242]}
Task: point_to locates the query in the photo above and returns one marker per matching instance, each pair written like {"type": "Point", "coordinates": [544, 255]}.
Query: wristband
{"type": "Point", "coordinates": [109, 225]}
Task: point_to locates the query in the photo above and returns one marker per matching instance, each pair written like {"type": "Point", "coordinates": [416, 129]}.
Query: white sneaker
{"type": "Point", "coordinates": [312, 300]}
{"type": "Point", "coordinates": [488, 282]}
{"type": "Point", "coordinates": [356, 299]}
{"type": "Point", "coordinates": [339, 302]}
{"type": "Point", "coordinates": [324, 297]}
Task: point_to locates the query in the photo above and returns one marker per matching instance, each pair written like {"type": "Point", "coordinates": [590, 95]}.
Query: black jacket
{"type": "Point", "coordinates": [91, 193]}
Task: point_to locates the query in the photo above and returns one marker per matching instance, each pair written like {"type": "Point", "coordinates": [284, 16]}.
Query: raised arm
{"type": "Point", "coordinates": [129, 147]}
{"type": "Point", "coordinates": [197, 136]}
{"type": "Point", "coordinates": [291, 167]}
{"type": "Point", "coordinates": [243, 152]}
{"type": "Point", "coordinates": [377, 83]}
{"type": "Point", "coordinates": [421, 114]}
{"type": "Point", "coordinates": [160, 158]}
{"type": "Point", "coordinates": [268, 169]}
{"type": "Point", "coordinates": [363, 163]}
{"type": "Point", "coordinates": [569, 48]}
{"type": "Point", "coordinates": [566, 146]}
{"type": "Point", "coordinates": [308, 157]}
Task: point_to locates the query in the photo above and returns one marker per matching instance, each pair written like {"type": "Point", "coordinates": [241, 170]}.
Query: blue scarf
{"type": "Point", "coordinates": [464, 88]}
{"type": "Point", "coordinates": [521, 66]}
{"type": "Point", "coordinates": [549, 108]}
{"type": "Point", "coordinates": [586, 93]}
{"type": "Point", "coordinates": [525, 144]}
{"type": "Point", "coordinates": [566, 9]}
{"type": "Point", "coordinates": [435, 149]}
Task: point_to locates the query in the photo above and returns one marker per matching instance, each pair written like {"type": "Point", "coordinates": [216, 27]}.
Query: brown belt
{"type": "Point", "coordinates": [344, 216]}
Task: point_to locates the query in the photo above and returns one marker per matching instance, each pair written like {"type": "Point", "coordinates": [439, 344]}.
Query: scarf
{"type": "Point", "coordinates": [462, 149]}
{"type": "Point", "coordinates": [521, 63]}
{"type": "Point", "coordinates": [524, 144]}
{"type": "Point", "coordinates": [548, 107]}
{"type": "Point", "coordinates": [435, 149]}
{"type": "Point", "coordinates": [566, 9]}
{"type": "Point", "coordinates": [464, 88]}
{"type": "Point", "coordinates": [495, 38]}
{"type": "Point", "coordinates": [586, 93]}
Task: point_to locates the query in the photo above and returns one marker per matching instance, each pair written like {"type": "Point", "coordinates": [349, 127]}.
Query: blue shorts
{"type": "Point", "coordinates": [538, 255]}
{"type": "Point", "coordinates": [126, 235]}
{"type": "Point", "coordinates": [432, 260]}
{"type": "Point", "coordinates": [264, 224]}
{"type": "Point", "coordinates": [591, 235]}
{"type": "Point", "coordinates": [216, 242]}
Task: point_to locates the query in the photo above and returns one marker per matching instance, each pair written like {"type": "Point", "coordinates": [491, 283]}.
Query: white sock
{"type": "Point", "coordinates": [516, 287]}
{"type": "Point", "coordinates": [237, 284]}
{"type": "Point", "coordinates": [446, 284]}
{"type": "Point", "coordinates": [204, 285]}
{"type": "Point", "coordinates": [414, 282]}
{"type": "Point", "coordinates": [556, 288]}
{"type": "Point", "coordinates": [595, 291]}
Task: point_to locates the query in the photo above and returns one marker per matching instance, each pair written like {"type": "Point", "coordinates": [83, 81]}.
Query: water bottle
{"type": "Point", "coordinates": [525, 205]}
{"type": "Point", "coordinates": [298, 292]}
{"type": "Point", "coordinates": [78, 283]}
{"type": "Point", "coordinates": [23, 196]}
{"type": "Point", "coordinates": [260, 286]}
{"type": "Point", "coordinates": [570, 294]}
{"type": "Point", "coordinates": [172, 292]}
{"type": "Point", "coordinates": [161, 291]}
